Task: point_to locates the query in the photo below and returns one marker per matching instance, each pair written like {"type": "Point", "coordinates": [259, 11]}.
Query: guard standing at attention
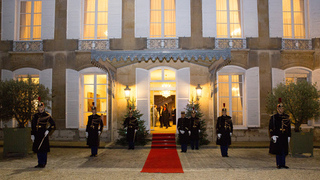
{"type": "Point", "coordinates": [280, 133]}
{"type": "Point", "coordinates": [224, 132]}
{"type": "Point", "coordinates": [131, 125]}
{"type": "Point", "coordinates": [41, 125]}
{"type": "Point", "coordinates": [184, 129]}
{"type": "Point", "coordinates": [93, 131]}
{"type": "Point", "coordinates": [195, 130]}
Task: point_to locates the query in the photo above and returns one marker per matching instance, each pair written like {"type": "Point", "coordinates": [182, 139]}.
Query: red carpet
{"type": "Point", "coordinates": [163, 156]}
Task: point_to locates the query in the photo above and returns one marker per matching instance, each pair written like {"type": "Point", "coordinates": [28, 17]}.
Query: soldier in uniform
{"type": "Point", "coordinates": [280, 132]}
{"type": "Point", "coordinates": [93, 131]}
{"type": "Point", "coordinates": [184, 130]}
{"type": "Point", "coordinates": [195, 130]}
{"type": "Point", "coordinates": [224, 131]}
{"type": "Point", "coordinates": [131, 125]}
{"type": "Point", "coordinates": [41, 125]}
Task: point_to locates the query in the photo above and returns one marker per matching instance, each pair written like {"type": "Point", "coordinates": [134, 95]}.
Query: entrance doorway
{"type": "Point", "coordinates": [161, 120]}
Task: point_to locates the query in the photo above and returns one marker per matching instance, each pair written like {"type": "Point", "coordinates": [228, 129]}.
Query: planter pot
{"type": "Point", "coordinates": [17, 140]}
{"type": "Point", "coordinates": [302, 142]}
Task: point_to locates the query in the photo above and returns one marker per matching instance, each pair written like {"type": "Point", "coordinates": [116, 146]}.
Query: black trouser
{"type": "Point", "coordinates": [42, 158]}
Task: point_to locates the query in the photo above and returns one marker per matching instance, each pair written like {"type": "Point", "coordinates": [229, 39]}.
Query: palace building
{"type": "Point", "coordinates": [87, 51]}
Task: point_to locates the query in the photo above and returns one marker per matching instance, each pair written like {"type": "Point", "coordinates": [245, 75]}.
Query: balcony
{"type": "Point", "coordinates": [163, 43]}
{"type": "Point", "coordinates": [88, 45]}
{"type": "Point", "coordinates": [296, 44]}
{"type": "Point", "coordinates": [27, 46]}
{"type": "Point", "coordinates": [232, 43]}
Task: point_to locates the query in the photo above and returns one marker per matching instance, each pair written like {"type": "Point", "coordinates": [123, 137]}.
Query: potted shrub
{"type": "Point", "coordinates": [301, 102]}
{"type": "Point", "coordinates": [19, 101]}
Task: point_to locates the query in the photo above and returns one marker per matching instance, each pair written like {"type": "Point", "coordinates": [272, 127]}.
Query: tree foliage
{"type": "Point", "coordinates": [300, 100]}
{"type": "Point", "coordinates": [142, 133]}
{"type": "Point", "coordinates": [19, 99]}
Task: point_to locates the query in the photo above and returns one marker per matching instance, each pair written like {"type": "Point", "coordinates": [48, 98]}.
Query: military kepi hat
{"type": "Point", "coordinates": [280, 103]}
{"type": "Point", "coordinates": [93, 107]}
{"type": "Point", "coordinates": [224, 107]}
{"type": "Point", "coordinates": [39, 102]}
{"type": "Point", "coordinates": [182, 112]}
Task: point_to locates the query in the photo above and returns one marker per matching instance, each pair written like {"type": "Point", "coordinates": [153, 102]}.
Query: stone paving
{"type": "Point", "coordinates": [243, 163]}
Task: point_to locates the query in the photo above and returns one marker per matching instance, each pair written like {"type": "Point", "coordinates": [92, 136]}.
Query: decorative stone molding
{"type": "Point", "coordinates": [27, 46]}
{"type": "Point", "coordinates": [161, 43]}
{"type": "Point", "coordinates": [88, 45]}
{"type": "Point", "coordinates": [232, 43]}
{"type": "Point", "coordinates": [298, 44]}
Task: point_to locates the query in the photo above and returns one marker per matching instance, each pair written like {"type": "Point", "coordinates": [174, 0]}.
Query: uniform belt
{"type": "Point", "coordinates": [130, 126]}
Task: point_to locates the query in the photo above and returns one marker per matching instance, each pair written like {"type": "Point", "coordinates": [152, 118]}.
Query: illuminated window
{"type": "Point", "coordinates": [34, 78]}
{"type": "Point", "coordinates": [228, 19]}
{"type": "Point", "coordinates": [293, 19]}
{"type": "Point", "coordinates": [162, 18]}
{"type": "Point", "coordinates": [297, 74]}
{"type": "Point", "coordinates": [230, 91]}
{"type": "Point", "coordinates": [94, 90]}
{"type": "Point", "coordinates": [30, 20]}
{"type": "Point", "coordinates": [95, 24]}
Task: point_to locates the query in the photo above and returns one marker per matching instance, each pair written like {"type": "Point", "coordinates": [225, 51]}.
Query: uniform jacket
{"type": "Point", "coordinates": [39, 124]}
{"type": "Point", "coordinates": [195, 127]}
{"type": "Point", "coordinates": [224, 127]}
{"type": "Point", "coordinates": [279, 125]}
{"type": "Point", "coordinates": [94, 125]}
{"type": "Point", "coordinates": [183, 124]}
{"type": "Point", "coordinates": [131, 123]}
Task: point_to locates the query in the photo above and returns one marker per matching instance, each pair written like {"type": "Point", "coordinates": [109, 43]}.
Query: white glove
{"type": "Point", "coordinates": [230, 134]}
{"type": "Point", "coordinates": [135, 130]}
{"type": "Point", "coordinates": [46, 133]}
{"type": "Point", "coordinates": [87, 134]}
{"type": "Point", "coordinates": [288, 139]}
{"type": "Point", "coordinates": [32, 138]}
{"type": "Point", "coordinates": [182, 131]}
{"type": "Point", "coordinates": [199, 131]}
{"type": "Point", "coordinates": [99, 132]}
{"type": "Point", "coordinates": [219, 136]}
{"type": "Point", "coordinates": [189, 133]}
{"type": "Point", "coordinates": [274, 138]}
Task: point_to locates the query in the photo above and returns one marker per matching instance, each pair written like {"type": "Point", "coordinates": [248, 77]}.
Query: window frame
{"type": "Point", "coordinates": [228, 21]}
{"type": "Point", "coordinates": [305, 18]}
{"type": "Point", "coordinates": [229, 109]}
{"type": "Point", "coordinates": [95, 21]}
{"type": "Point", "coordinates": [162, 22]}
{"type": "Point", "coordinates": [18, 14]}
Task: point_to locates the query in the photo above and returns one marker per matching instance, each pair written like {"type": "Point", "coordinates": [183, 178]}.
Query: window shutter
{"type": "Point", "coordinates": [314, 7]}
{"type": "Point", "coordinates": [8, 19]}
{"type": "Point", "coordinates": [73, 19]}
{"type": "Point", "coordinates": [48, 16]}
{"type": "Point", "coordinates": [114, 19]}
{"type": "Point", "coordinates": [250, 18]}
{"type": "Point", "coordinates": [253, 97]}
{"type": "Point", "coordinates": [142, 18]}
{"type": "Point", "coordinates": [183, 18]}
{"type": "Point", "coordinates": [209, 18]}
{"type": "Point", "coordinates": [316, 79]}
{"type": "Point", "coordinates": [142, 84]}
{"type": "Point", "coordinates": [183, 89]}
{"type": "Point", "coordinates": [72, 98]}
{"type": "Point", "coordinates": [45, 78]}
{"type": "Point", "coordinates": [278, 77]}
{"type": "Point", "coordinates": [275, 18]}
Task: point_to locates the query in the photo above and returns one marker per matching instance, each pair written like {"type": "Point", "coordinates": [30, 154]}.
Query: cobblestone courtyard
{"type": "Point", "coordinates": [243, 163]}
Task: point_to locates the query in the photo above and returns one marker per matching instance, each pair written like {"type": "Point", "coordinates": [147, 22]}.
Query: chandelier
{"type": "Point", "coordinates": [166, 93]}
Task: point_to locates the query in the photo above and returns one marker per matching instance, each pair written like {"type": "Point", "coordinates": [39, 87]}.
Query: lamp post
{"type": "Point", "coordinates": [127, 92]}
{"type": "Point", "coordinates": [199, 91]}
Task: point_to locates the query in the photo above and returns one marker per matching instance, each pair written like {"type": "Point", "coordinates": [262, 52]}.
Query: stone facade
{"type": "Point", "coordinates": [60, 54]}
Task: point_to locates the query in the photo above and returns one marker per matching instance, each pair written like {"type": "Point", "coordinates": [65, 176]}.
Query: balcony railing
{"type": "Point", "coordinates": [232, 43]}
{"type": "Point", "coordinates": [163, 43]}
{"type": "Point", "coordinates": [297, 44]}
{"type": "Point", "coordinates": [27, 46]}
{"type": "Point", "coordinates": [87, 45]}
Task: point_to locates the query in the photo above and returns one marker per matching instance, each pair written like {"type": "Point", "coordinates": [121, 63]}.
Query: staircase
{"type": "Point", "coordinates": [163, 141]}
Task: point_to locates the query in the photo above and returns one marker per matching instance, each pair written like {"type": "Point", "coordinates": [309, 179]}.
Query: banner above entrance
{"type": "Point", "coordinates": [146, 55]}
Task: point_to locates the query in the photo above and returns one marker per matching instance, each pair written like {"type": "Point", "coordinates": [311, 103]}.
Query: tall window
{"type": "Point", "coordinates": [298, 74]}
{"type": "Point", "coordinates": [162, 18]}
{"type": "Point", "coordinates": [293, 19]}
{"type": "Point", "coordinates": [95, 24]}
{"type": "Point", "coordinates": [230, 90]}
{"type": "Point", "coordinates": [30, 20]}
{"type": "Point", "coordinates": [94, 90]}
{"type": "Point", "coordinates": [228, 19]}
